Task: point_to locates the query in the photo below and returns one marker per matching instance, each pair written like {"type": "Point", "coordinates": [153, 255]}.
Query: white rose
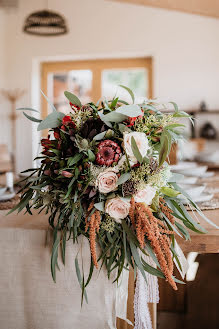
{"type": "Point", "coordinates": [107, 181]}
{"type": "Point", "coordinates": [145, 195]}
{"type": "Point", "coordinates": [117, 208]}
{"type": "Point", "coordinates": [141, 141]}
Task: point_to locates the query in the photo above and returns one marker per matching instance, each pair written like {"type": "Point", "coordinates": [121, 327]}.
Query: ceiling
{"type": "Point", "coordinates": [199, 7]}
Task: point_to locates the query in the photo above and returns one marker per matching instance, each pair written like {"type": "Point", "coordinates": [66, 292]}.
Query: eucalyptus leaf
{"type": "Point", "coordinates": [49, 102]}
{"type": "Point", "coordinates": [114, 102]}
{"type": "Point", "coordinates": [26, 109]}
{"type": "Point", "coordinates": [129, 91]}
{"type": "Point", "coordinates": [169, 191]}
{"type": "Point", "coordinates": [102, 117]}
{"type": "Point", "coordinates": [175, 106]}
{"type": "Point", "coordinates": [63, 246]}
{"type": "Point", "coordinates": [54, 256]}
{"type": "Point", "coordinates": [31, 118]}
{"type": "Point", "coordinates": [72, 98]}
{"type": "Point", "coordinates": [99, 136]}
{"type": "Point", "coordinates": [181, 114]}
{"type": "Point", "coordinates": [154, 271]}
{"type": "Point", "coordinates": [91, 156]}
{"type": "Point", "coordinates": [80, 280]}
{"type": "Point", "coordinates": [182, 229]}
{"type": "Point", "coordinates": [136, 151]}
{"type": "Point", "coordinates": [123, 178]}
{"type": "Point", "coordinates": [114, 117]}
{"type": "Point", "coordinates": [137, 259]}
{"type": "Point", "coordinates": [164, 149]}
{"type": "Point", "coordinates": [129, 110]}
{"type": "Point", "coordinates": [99, 206]}
{"type": "Point", "coordinates": [123, 102]}
{"type": "Point", "coordinates": [53, 120]}
{"type": "Point", "coordinates": [174, 125]}
{"type": "Point", "coordinates": [123, 128]}
{"type": "Point", "coordinates": [73, 160]}
{"type": "Point", "coordinates": [195, 206]}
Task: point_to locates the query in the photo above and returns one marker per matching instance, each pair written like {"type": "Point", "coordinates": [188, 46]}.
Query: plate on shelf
{"type": "Point", "coordinates": [7, 196]}
{"type": "Point", "coordinates": [189, 180]}
{"type": "Point", "coordinates": [194, 190]}
{"type": "Point", "coordinates": [198, 171]}
{"type": "Point", "coordinates": [208, 174]}
{"type": "Point", "coordinates": [183, 165]}
{"type": "Point", "coordinates": [200, 198]}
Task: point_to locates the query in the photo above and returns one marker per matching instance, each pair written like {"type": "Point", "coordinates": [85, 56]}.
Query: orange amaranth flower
{"type": "Point", "coordinates": [167, 211]}
{"type": "Point", "coordinates": [94, 225]}
{"type": "Point", "coordinates": [147, 225]}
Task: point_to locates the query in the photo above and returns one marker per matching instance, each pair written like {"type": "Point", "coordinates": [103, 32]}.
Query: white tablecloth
{"type": "Point", "coordinates": [31, 300]}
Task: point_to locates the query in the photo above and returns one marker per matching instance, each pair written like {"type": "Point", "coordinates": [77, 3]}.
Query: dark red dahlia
{"type": "Point", "coordinates": [108, 153]}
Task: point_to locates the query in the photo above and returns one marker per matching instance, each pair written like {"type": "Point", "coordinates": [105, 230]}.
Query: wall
{"type": "Point", "coordinates": [5, 126]}
{"type": "Point", "coordinates": [185, 49]}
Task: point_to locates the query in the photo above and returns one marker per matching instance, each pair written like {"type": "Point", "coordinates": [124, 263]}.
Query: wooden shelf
{"type": "Point", "coordinates": [215, 111]}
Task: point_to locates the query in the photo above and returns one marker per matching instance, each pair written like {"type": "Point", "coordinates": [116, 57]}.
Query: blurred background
{"type": "Point", "coordinates": [160, 49]}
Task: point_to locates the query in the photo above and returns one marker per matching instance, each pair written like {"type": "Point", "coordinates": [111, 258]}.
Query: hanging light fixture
{"type": "Point", "coordinates": [45, 23]}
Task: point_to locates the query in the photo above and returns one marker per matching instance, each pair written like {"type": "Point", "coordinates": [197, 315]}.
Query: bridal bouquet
{"type": "Point", "coordinates": [104, 174]}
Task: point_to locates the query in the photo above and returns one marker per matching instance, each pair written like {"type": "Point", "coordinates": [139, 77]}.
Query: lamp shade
{"type": "Point", "coordinates": [45, 23]}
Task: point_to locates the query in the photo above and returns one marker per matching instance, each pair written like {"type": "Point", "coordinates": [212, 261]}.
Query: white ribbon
{"type": "Point", "coordinates": [122, 296]}
{"type": "Point", "coordinates": [145, 293]}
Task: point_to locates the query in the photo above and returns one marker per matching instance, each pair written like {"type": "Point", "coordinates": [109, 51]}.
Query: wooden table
{"type": "Point", "coordinates": [206, 243]}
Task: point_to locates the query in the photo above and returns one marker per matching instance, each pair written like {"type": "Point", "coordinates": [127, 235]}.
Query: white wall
{"type": "Point", "coordinates": [4, 122]}
{"type": "Point", "coordinates": [185, 49]}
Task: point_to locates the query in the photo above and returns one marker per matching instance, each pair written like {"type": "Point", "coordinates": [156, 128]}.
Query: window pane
{"type": "Point", "coordinates": [136, 79]}
{"type": "Point", "coordinates": [78, 82]}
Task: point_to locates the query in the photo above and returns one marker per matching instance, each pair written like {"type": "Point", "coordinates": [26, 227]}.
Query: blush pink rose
{"type": "Point", "coordinates": [145, 195]}
{"type": "Point", "coordinates": [117, 208]}
{"type": "Point", "coordinates": [107, 181]}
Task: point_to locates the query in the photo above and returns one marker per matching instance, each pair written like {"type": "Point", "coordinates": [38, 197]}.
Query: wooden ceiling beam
{"type": "Point", "coordinates": [198, 7]}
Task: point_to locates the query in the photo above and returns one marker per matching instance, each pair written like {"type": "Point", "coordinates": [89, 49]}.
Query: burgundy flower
{"type": "Point", "coordinates": [74, 107]}
{"type": "Point", "coordinates": [56, 133]}
{"type": "Point", "coordinates": [46, 143]}
{"type": "Point", "coordinates": [131, 120]}
{"type": "Point", "coordinates": [66, 120]}
{"type": "Point", "coordinates": [108, 153]}
{"type": "Point", "coordinates": [66, 173]}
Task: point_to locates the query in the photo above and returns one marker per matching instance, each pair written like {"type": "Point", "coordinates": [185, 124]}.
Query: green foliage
{"type": "Point", "coordinates": [72, 98]}
{"type": "Point", "coordinates": [129, 110]}
{"type": "Point", "coordinates": [123, 178]}
{"type": "Point", "coordinates": [53, 120]}
{"type": "Point", "coordinates": [136, 151]}
{"type": "Point", "coordinates": [65, 184]}
{"type": "Point", "coordinates": [129, 91]}
{"type": "Point", "coordinates": [49, 102]}
{"type": "Point", "coordinates": [169, 191]}
{"type": "Point", "coordinates": [165, 147]}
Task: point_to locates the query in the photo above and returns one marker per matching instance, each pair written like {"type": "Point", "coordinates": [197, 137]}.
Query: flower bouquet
{"type": "Point", "coordinates": [104, 175]}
